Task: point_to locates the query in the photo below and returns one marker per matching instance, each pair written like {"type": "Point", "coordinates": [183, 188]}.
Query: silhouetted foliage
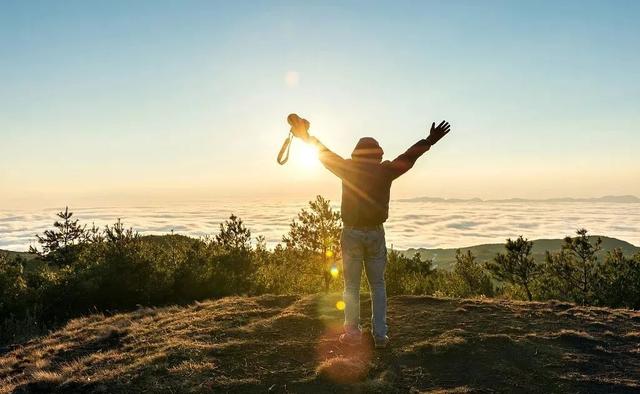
{"type": "Point", "coordinates": [12, 283]}
{"type": "Point", "coordinates": [59, 246]}
{"type": "Point", "coordinates": [619, 284]}
{"type": "Point", "coordinates": [409, 275]}
{"type": "Point", "coordinates": [575, 267]}
{"type": "Point", "coordinates": [315, 234]}
{"type": "Point", "coordinates": [516, 266]}
{"type": "Point", "coordinates": [233, 235]}
{"type": "Point", "coordinates": [233, 258]}
{"type": "Point", "coordinates": [470, 278]}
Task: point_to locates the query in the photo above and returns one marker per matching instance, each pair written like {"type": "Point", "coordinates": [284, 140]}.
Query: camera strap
{"type": "Point", "coordinates": [283, 155]}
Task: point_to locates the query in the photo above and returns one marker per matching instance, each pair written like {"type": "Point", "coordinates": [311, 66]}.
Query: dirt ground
{"type": "Point", "coordinates": [289, 344]}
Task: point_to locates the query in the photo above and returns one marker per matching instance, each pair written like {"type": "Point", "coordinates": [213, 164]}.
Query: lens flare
{"type": "Point", "coordinates": [292, 78]}
{"type": "Point", "coordinates": [334, 271]}
{"type": "Point", "coordinates": [340, 305]}
{"type": "Point", "coordinates": [305, 156]}
{"type": "Point", "coordinates": [329, 253]}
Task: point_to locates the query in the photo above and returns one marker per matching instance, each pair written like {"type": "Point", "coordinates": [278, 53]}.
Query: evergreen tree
{"type": "Point", "coordinates": [471, 276]}
{"type": "Point", "coordinates": [408, 275]}
{"type": "Point", "coordinates": [233, 257]}
{"type": "Point", "coordinates": [234, 235]}
{"type": "Point", "coordinates": [618, 279]}
{"type": "Point", "coordinates": [59, 245]}
{"type": "Point", "coordinates": [12, 283]}
{"type": "Point", "coordinates": [516, 266]}
{"type": "Point", "coordinates": [316, 233]}
{"type": "Point", "coordinates": [576, 266]}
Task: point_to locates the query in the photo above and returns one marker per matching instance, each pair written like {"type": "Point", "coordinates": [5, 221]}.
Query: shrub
{"type": "Point", "coordinates": [408, 275]}
{"type": "Point", "coordinates": [314, 236]}
{"type": "Point", "coordinates": [618, 279]}
{"type": "Point", "coordinates": [516, 267]}
{"type": "Point", "coordinates": [575, 268]}
{"type": "Point", "coordinates": [469, 277]}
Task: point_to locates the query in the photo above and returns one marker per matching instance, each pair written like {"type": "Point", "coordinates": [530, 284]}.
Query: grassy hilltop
{"type": "Point", "coordinates": [288, 344]}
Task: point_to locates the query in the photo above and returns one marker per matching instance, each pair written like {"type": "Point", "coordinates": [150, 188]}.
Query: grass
{"type": "Point", "coordinates": [289, 344]}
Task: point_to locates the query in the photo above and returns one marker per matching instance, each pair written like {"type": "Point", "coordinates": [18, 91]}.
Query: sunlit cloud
{"type": "Point", "coordinates": [428, 225]}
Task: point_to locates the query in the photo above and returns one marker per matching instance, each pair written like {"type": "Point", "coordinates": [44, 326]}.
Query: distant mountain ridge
{"type": "Point", "coordinates": [445, 257]}
{"type": "Point", "coordinates": [624, 199]}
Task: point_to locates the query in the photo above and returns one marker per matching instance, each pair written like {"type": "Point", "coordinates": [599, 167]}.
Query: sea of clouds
{"type": "Point", "coordinates": [410, 224]}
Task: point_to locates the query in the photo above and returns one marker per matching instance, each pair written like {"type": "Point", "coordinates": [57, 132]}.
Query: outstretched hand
{"type": "Point", "coordinates": [299, 126]}
{"type": "Point", "coordinates": [438, 132]}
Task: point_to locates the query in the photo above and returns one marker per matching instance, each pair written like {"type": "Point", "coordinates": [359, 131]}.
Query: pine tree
{"type": "Point", "coordinates": [516, 266]}
{"type": "Point", "coordinates": [471, 274]}
{"type": "Point", "coordinates": [234, 235]}
{"type": "Point", "coordinates": [58, 244]}
{"type": "Point", "coordinates": [576, 265]}
{"type": "Point", "coordinates": [317, 232]}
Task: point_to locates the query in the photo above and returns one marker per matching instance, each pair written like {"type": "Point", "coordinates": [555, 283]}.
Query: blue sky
{"type": "Point", "coordinates": [179, 100]}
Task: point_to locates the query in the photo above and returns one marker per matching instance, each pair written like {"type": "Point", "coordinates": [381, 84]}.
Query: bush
{"type": "Point", "coordinates": [516, 267]}
{"type": "Point", "coordinates": [18, 305]}
{"type": "Point", "coordinates": [314, 236]}
{"type": "Point", "coordinates": [469, 277]}
{"type": "Point", "coordinates": [574, 270]}
{"type": "Point", "coordinates": [408, 275]}
{"type": "Point", "coordinates": [618, 280]}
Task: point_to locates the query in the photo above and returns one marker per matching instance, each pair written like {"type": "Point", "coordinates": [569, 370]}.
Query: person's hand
{"type": "Point", "coordinates": [437, 133]}
{"type": "Point", "coordinates": [299, 126]}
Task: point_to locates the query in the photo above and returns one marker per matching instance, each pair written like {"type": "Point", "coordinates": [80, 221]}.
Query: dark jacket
{"type": "Point", "coordinates": [366, 179]}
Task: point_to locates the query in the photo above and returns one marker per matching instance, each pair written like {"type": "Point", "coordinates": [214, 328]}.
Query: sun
{"type": "Point", "coordinates": [305, 155]}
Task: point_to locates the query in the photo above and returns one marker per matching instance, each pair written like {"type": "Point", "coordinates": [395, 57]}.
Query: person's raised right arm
{"type": "Point", "coordinates": [329, 159]}
{"type": "Point", "coordinates": [332, 161]}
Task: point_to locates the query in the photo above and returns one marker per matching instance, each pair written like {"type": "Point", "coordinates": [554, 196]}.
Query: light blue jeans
{"type": "Point", "coordinates": [368, 247]}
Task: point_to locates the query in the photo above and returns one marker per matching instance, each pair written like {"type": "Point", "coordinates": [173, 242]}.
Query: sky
{"type": "Point", "coordinates": [177, 100]}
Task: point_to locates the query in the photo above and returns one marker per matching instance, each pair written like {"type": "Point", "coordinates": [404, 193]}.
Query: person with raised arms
{"type": "Point", "coordinates": [366, 186]}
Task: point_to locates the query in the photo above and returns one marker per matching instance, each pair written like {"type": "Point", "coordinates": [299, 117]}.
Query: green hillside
{"type": "Point", "coordinates": [445, 258]}
{"type": "Point", "coordinates": [25, 255]}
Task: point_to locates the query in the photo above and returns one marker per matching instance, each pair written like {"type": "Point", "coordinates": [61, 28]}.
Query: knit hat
{"type": "Point", "coordinates": [367, 148]}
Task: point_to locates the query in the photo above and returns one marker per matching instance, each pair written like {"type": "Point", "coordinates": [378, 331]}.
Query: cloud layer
{"type": "Point", "coordinates": [411, 224]}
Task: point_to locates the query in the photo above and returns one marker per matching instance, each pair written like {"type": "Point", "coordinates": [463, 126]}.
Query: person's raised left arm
{"type": "Point", "coordinates": [405, 161]}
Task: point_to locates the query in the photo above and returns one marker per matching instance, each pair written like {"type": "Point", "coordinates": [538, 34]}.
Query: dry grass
{"type": "Point", "coordinates": [289, 344]}
{"type": "Point", "coordinates": [47, 376]}
{"type": "Point", "coordinates": [342, 370]}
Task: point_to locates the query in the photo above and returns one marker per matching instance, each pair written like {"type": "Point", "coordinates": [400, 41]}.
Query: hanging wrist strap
{"type": "Point", "coordinates": [283, 155]}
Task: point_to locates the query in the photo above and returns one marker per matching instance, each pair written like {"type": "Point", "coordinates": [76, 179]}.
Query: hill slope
{"type": "Point", "coordinates": [11, 254]}
{"type": "Point", "coordinates": [445, 258]}
{"type": "Point", "coordinates": [288, 344]}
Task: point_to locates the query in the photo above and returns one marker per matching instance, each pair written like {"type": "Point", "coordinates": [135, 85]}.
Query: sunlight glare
{"type": "Point", "coordinates": [305, 155]}
{"type": "Point", "coordinates": [340, 305]}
